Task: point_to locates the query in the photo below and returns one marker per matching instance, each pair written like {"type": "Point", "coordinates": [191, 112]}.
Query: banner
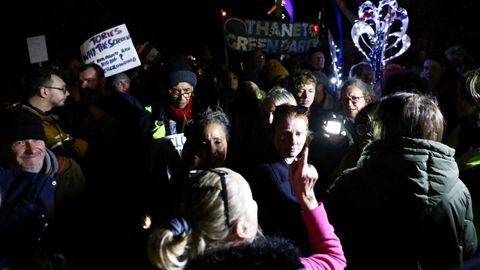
{"type": "Point", "coordinates": [274, 37]}
{"type": "Point", "coordinates": [112, 49]}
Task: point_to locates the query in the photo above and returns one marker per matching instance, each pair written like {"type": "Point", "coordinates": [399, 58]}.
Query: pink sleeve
{"type": "Point", "coordinates": [325, 245]}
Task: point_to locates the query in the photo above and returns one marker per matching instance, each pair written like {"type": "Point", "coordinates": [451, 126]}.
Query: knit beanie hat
{"type": "Point", "coordinates": [22, 125]}
{"type": "Point", "coordinates": [120, 76]}
{"type": "Point", "coordinates": [276, 69]}
{"type": "Point", "coordinates": [181, 72]}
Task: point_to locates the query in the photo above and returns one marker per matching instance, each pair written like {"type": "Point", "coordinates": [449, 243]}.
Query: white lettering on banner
{"type": "Point", "coordinates": [270, 45]}
{"type": "Point", "coordinates": [277, 29]}
{"type": "Point", "coordinates": [271, 36]}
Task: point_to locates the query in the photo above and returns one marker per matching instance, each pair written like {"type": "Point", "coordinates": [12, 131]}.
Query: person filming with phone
{"type": "Point", "coordinates": [338, 133]}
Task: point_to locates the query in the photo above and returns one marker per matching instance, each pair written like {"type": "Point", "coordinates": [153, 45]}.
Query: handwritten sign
{"type": "Point", "coordinates": [111, 49]}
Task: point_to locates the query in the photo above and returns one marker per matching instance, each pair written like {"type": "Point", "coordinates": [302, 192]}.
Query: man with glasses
{"type": "Point", "coordinates": [46, 90]}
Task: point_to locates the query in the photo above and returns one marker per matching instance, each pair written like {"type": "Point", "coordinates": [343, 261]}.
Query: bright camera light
{"type": "Point", "coordinates": [333, 126]}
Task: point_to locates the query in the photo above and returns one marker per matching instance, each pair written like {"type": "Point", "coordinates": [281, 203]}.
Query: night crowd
{"type": "Point", "coordinates": [264, 163]}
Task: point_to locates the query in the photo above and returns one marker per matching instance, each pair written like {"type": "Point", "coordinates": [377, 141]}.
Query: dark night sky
{"type": "Point", "coordinates": [193, 24]}
{"type": "Point", "coordinates": [183, 24]}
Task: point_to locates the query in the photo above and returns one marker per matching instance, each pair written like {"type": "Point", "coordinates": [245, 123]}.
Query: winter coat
{"type": "Point", "coordinates": [27, 199]}
{"type": "Point", "coordinates": [403, 207]}
{"type": "Point", "coordinates": [279, 253]}
{"type": "Point", "coordinates": [278, 208]}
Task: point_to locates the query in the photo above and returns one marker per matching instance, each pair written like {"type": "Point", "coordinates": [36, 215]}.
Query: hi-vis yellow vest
{"type": "Point", "coordinates": [158, 131]}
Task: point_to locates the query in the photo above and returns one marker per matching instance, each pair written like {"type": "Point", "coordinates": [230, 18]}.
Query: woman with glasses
{"type": "Point", "coordinates": [170, 117]}
{"type": "Point", "coordinates": [215, 227]}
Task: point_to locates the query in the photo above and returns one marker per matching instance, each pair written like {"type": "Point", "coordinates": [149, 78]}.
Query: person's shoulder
{"type": "Point", "coordinates": [272, 165]}
{"type": "Point", "coordinates": [347, 180]}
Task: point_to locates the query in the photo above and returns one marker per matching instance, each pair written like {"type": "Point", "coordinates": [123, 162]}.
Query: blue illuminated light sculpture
{"type": "Point", "coordinates": [380, 33]}
{"type": "Point", "coordinates": [336, 79]}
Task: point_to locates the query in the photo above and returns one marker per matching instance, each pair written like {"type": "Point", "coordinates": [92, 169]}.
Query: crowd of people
{"type": "Point", "coordinates": [190, 165]}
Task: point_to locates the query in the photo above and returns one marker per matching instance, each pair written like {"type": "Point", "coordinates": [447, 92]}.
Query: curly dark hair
{"type": "Point", "coordinates": [204, 118]}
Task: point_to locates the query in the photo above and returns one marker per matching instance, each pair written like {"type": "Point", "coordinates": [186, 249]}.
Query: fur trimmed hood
{"type": "Point", "coordinates": [269, 253]}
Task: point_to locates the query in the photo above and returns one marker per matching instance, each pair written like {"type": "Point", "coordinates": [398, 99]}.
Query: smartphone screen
{"type": "Point", "coordinates": [333, 126]}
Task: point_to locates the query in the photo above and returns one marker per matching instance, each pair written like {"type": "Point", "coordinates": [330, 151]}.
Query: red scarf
{"type": "Point", "coordinates": [182, 114]}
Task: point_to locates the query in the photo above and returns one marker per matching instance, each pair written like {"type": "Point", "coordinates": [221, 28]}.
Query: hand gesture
{"type": "Point", "coordinates": [302, 177]}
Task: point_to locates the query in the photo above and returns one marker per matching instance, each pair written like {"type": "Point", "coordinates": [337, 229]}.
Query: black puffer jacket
{"type": "Point", "coordinates": [403, 207]}
{"type": "Point", "coordinates": [270, 253]}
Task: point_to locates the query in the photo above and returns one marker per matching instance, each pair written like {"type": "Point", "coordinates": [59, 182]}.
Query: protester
{"type": "Point", "coordinates": [404, 200]}
{"type": "Point", "coordinates": [27, 185]}
{"type": "Point", "coordinates": [216, 212]}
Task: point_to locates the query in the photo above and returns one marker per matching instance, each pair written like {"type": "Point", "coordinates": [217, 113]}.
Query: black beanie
{"type": "Point", "coordinates": [181, 72]}
{"type": "Point", "coordinates": [22, 125]}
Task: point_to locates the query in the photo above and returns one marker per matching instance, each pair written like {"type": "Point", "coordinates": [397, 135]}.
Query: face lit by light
{"type": "Point", "coordinates": [211, 148]}
{"type": "Point", "coordinates": [306, 94]}
{"type": "Point", "coordinates": [88, 79]}
{"type": "Point", "coordinates": [57, 97]}
{"type": "Point", "coordinates": [353, 101]}
{"type": "Point", "coordinates": [27, 155]}
{"type": "Point", "coordinates": [180, 94]}
{"type": "Point", "coordinates": [290, 136]}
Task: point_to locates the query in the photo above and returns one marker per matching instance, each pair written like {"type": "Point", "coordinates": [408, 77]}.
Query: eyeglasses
{"type": "Point", "coordinates": [353, 99]}
{"type": "Point", "coordinates": [285, 108]}
{"type": "Point", "coordinates": [178, 93]}
{"type": "Point", "coordinates": [224, 196]}
{"type": "Point", "coordinates": [224, 191]}
{"type": "Point", "coordinates": [63, 89]}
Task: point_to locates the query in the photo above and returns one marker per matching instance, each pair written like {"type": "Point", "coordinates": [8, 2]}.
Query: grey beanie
{"type": "Point", "coordinates": [120, 76]}
{"type": "Point", "coordinates": [181, 72]}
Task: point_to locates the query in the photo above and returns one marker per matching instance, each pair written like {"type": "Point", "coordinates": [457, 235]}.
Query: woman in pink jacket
{"type": "Point", "coordinates": [215, 226]}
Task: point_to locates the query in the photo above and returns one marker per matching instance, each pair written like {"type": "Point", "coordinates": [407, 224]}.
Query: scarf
{"type": "Point", "coordinates": [182, 114]}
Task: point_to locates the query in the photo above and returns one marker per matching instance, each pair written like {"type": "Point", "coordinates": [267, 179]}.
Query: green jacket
{"type": "Point", "coordinates": [403, 207]}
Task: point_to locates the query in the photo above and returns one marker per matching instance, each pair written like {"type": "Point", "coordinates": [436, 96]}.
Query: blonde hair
{"type": "Point", "coordinates": [280, 95]}
{"type": "Point", "coordinates": [210, 211]}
